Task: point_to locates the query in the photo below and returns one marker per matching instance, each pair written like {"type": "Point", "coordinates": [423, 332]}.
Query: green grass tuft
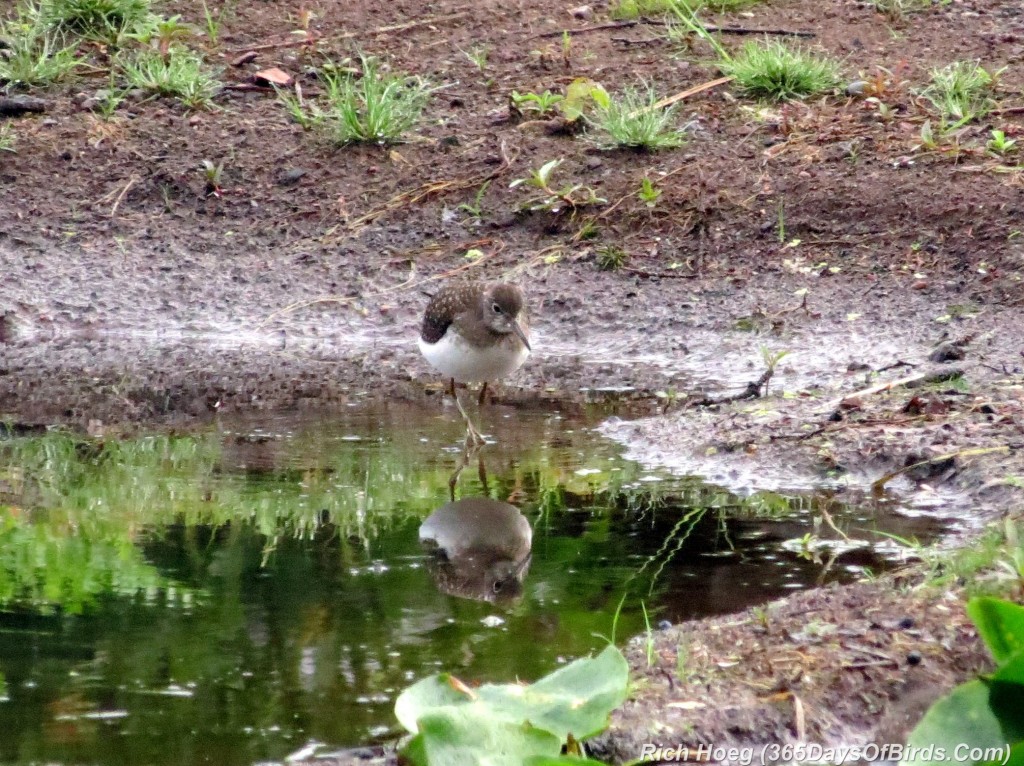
{"type": "Point", "coordinates": [379, 107]}
{"type": "Point", "coordinates": [629, 123]}
{"type": "Point", "coordinates": [772, 70]}
{"type": "Point", "coordinates": [962, 91]}
{"type": "Point", "coordinates": [898, 10]}
{"type": "Point", "coordinates": [7, 139]}
{"type": "Point", "coordinates": [34, 55]}
{"type": "Point", "coordinates": [103, 20]}
{"type": "Point", "coordinates": [182, 75]}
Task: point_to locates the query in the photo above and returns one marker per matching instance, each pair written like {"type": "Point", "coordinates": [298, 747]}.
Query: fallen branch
{"type": "Point", "coordinates": [310, 39]}
{"type": "Point", "coordinates": [879, 484]}
{"type": "Point", "coordinates": [659, 274]}
{"type": "Point", "coordinates": [408, 284]}
{"type": "Point", "coordinates": [660, 23]}
{"type": "Point", "coordinates": [19, 105]}
{"type": "Point", "coordinates": [307, 40]}
{"type": "Point", "coordinates": [594, 28]}
{"type": "Point", "coordinates": [431, 189]}
{"type": "Point", "coordinates": [917, 379]}
{"type": "Point", "coordinates": [131, 182]}
{"type": "Point", "coordinates": [668, 101]}
{"type": "Point", "coordinates": [752, 391]}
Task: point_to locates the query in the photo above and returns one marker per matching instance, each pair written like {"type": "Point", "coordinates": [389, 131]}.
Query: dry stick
{"type": "Point", "coordinates": [827, 517]}
{"type": "Point", "coordinates": [708, 27]}
{"type": "Point", "coordinates": [608, 210]}
{"type": "Point", "coordinates": [407, 284]}
{"type": "Point", "coordinates": [752, 391]}
{"type": "Point", "coordinates": [918, 377]}
{"type": "Point", "coordinates": [879, 484]}
{"type": "Point", "coordinates": [681, 95]}
{"type": "Point", "coordinates": [307, 40]}
{"type": "Point", "coordinates": [659, 274]}
{"type": "Point", "coordinates": [431, 188]}
{"type": "Point", "coordinates": [127, 186]}
{"type": "Point", "coordinates": [594, 28]}
{"type": "Point", "coordinates": [310, 39]}
{"type": "Point", "coordinates": [799, 719]}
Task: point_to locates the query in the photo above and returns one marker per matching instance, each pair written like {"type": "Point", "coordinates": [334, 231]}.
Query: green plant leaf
{"type": "Point", "coordinates": [578, 93]}
{"type": "Point", "coordinates": [963, 718]}
{"type": "Point", "coordinates": [1001, 625]}
{"type": "Point", "coordinates": [561, 760]}
{"type": "Point", "coordinates": [1006, 698]}
{"type": "Point", "coordinates": [424, 696]}
{"type": "Point", "coordinates": [576, 699]}
{"type": "Point", "coordinates": [469, 736]}
{"type": "Point", "coordinates": [1016, 757]}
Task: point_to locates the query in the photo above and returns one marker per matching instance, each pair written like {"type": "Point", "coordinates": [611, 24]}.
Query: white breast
{"type": "Point", "coordinates": [454, 358]}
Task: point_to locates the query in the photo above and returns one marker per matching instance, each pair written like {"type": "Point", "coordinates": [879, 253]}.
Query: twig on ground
{"type": "Point", "coordinates": [659, 274]}
{"type": "Point", "coordinates": [311, 39]}
{"type": "Point", "coordinates": [593, 28]}
{"type": "Point", "coordinates": [917, 379]}
{"type": "Point", "coordinates": [752, 391]}
{"type": "Point", "coordinates": [681, 95]}
{"type": "Point", "coordinates": [879, 484]}
{"type": "Point", "coordinates": [18, 105]}
{"type": "Point", "coordinates": [431, 189]}
{"type": "Point", "coordinates": [408, 284]}
{"type": "Point", "coordinates": [661, 23]}
{"type": "Point", "coordinates": [117, 202]}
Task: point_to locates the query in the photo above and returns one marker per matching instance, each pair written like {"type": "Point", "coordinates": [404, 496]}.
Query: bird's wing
{"type": "Point", "coordinates": [435, 321]}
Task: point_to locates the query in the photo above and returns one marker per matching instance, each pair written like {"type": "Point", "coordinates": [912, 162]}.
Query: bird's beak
{"type": "Point", "coordinates": [518, 330]}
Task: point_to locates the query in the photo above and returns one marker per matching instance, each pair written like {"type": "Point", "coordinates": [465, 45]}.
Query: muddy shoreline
{"type": "Point", "coordinates": [132, 298]}
{"type": "Point", "coordinates": [850, 677]}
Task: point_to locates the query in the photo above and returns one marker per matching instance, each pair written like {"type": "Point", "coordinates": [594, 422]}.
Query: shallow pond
{"type": "Point", "coordinates": [228, 596]}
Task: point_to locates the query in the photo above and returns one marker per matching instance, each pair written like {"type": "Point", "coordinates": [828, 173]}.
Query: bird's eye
{"type": "Point", "coordinates": [496, 308]}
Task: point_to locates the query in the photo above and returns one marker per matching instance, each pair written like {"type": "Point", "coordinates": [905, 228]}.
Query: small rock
{"type": "Point", "coordinates": [947, 352]}
{"type": "Point", "coordinates": [290, 176]}
{"type": "Point", "coordinates": [593, 163]}
{"type": "Point", "coordinates": [245, 58]}
{"type": "Point", "coordinates": [584, 12]}
{"type": "Point", "coordinates": [858, 89]}
{"type": "Point", "coordinates": [272, 76]}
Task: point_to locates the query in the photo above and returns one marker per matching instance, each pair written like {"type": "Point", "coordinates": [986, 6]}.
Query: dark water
{"type": "Point", "coordinates": [228, 596]}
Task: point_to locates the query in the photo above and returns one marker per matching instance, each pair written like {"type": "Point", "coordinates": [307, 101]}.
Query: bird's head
{"type": "Point", "coordinates": [504, 311]}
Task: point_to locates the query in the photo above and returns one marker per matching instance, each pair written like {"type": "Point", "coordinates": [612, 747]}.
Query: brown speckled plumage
{"type": "Point", "coordinates": [462, 304]}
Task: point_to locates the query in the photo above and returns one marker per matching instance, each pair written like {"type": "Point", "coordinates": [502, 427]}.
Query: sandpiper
{"type": "Point", "coordinates": [474, 332]}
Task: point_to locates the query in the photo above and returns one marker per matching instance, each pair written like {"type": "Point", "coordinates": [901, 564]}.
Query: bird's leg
{"type": "Point", "coordinates": [482, 473]}
{"type": "Point", "coordinates": [483, 394]}
{"type": "Point", "coordinates": [472, 435]}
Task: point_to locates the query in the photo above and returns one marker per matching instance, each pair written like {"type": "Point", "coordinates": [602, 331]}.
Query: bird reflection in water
{"type": "Point", "coordinates": [480, 548]}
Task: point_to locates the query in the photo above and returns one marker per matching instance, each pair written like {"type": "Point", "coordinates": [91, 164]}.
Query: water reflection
{"type": "Point", "coordinates": [480, 547]}
{"type": "Point", "coordinates": [226, 596]}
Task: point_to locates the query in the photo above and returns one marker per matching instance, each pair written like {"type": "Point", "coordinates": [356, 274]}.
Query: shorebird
{"type": "Point", "coordinates": [475, 332]}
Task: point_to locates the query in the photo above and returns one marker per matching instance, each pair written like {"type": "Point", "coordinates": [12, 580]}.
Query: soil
{"type": "Point", "coordinates": [133, 297]}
